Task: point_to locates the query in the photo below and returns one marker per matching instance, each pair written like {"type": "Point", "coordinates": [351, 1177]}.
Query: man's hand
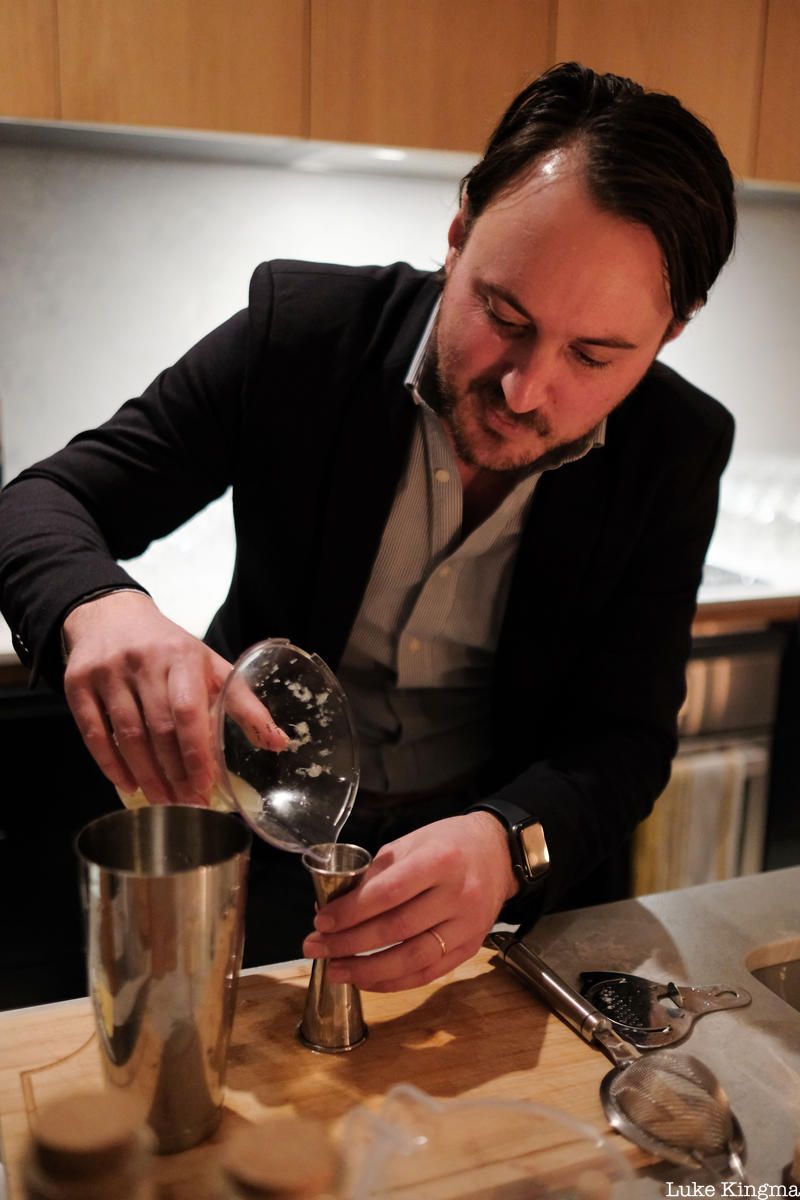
{"type": "Point", "coordinates": [140, 689]}
{"type": "Point", "coordinates": [449, 879]}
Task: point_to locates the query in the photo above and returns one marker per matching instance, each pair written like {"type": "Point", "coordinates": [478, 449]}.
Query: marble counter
{"type": "Point", "coordinates": [701, 936]}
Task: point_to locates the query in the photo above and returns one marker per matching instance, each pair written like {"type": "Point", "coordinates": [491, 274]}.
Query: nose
{"type": "Point", "coordinates": [528, 384]}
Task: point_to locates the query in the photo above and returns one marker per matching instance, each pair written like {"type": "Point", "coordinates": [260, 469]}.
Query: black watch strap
{"type": "Point", "coordinates": [530, 857]}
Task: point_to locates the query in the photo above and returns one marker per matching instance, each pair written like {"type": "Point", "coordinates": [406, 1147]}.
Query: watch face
{"type": "Point", "coordinates": [534, 848]}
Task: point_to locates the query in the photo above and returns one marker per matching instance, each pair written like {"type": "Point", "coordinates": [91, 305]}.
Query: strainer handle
{"type": "Point", "coordinates": [573, 1008]}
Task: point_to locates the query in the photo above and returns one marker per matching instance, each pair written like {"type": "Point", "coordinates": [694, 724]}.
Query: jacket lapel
{"type": "Point", "coordinates": [368, 464]}
{"type": "Point", "coordinates": [557, 568]}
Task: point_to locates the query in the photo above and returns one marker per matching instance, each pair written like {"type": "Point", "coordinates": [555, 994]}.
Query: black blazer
{"type": "Point", "coordinates": [299, 403]}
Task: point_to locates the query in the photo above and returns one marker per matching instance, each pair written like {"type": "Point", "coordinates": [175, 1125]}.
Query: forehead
{"type": "Point", "coordinates": [547, 241]}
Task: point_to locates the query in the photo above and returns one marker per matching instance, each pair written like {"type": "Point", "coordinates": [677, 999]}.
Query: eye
{"type": "Point", "coordinates": [514, 328]}
{"type": "Point", "coordinates": [586, 360]}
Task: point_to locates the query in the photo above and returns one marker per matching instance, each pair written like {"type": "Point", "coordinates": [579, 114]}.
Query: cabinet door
{"type": "Point", "coordinates": [28, 59]}
{"type": "Point", "coordinates": [778, 153]}
{"type": "Point", "coordinates": [434, 73]}
{"type": "Point", "coordinates": [201, 64]}
{"type": "Point", "coordinates": [706, 52]}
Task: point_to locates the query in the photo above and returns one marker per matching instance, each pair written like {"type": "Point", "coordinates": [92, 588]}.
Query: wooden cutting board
{"type": "Point", "coordinates": [476, 1032]}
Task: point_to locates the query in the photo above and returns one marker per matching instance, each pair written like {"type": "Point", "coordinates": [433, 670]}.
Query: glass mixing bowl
{"type": "Point", "coordinates": [301, 796]}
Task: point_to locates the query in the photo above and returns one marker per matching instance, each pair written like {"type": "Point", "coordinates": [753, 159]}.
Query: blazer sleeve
{"type": "Point", "coordinates": [611, 721]}
{"type": "Point", "coordinates": [161, 458]}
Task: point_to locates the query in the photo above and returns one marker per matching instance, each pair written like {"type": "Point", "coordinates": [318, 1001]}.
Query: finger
{"type": "Point", "coordinates": [189, 702]}
{"type": "Point", "coordinates": [390, 881]}
{"type": "Point", "coordinates": [400, 924]}
{"type": "Point", "coordinates": [420, 978]}
{"type": "Point", "coordinates": [133, 742]}
{"type": "Point", "coordinates": [94, 729]}
{"type": "Point", "coordinates": [159, 726]}
{"type": "Point", "coordinates": [411, 964]}
{"type": "Point", "coordinates": [253, 716]}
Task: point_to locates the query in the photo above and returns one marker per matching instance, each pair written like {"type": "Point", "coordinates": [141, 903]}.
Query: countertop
{"type": "Point", "coordinates": [475, 1032]}
{"type": "Point", "coordinates": [480, 1032]}
{"type": "Point", "coordinates": [705, 935]}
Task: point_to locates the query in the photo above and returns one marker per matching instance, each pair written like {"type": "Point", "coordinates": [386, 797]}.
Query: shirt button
{"type": "Point", "coordinates": [414, 644]}
{"type": "Point", "coordinates": [444, 571]}
{"type": "Point", "coordinates": [441, 476]}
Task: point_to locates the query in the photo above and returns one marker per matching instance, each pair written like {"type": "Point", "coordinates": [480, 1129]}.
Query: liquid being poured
{"type": "Point", "coordinates": [247, 798]}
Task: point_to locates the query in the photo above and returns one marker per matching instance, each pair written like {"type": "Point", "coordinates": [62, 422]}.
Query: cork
{"type": "Point", "coordinates": [86, 1134]}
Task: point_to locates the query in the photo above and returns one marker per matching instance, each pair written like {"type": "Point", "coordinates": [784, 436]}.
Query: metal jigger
{"type": "Point", "coordinates": [333, 1021]}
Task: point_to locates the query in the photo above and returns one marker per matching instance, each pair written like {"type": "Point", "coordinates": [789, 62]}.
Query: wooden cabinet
{"type": "Point", "coordinates": [28, 59]}
{"type": "Point", "coordinates": [234, 65]}
{"type": "Point", "coordinates": [706, 52]}
{"type": "Point", "coordinates": [434, 73]}
{"type": "Point", "coordinates": [778, 151]}
{"type": "Point", "coordinates": [431, 73]}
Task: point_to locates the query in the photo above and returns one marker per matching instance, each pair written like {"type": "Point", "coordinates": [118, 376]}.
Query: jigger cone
{"type": "Point", "coordinates": [333, 1021]}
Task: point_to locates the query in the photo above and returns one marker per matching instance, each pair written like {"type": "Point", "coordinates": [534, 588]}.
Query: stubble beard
{"type": "Point", "coordinates": [457, 409]}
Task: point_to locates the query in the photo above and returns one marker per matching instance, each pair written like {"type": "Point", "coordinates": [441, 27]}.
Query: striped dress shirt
{"type": "Point", "coordinates": [417, 668]}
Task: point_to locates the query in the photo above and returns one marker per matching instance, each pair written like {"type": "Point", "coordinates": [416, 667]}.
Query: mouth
{"type": "Point", "coordinates": [499, 423]}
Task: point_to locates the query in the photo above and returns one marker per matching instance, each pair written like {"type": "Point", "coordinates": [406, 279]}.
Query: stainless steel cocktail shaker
{"type": "Point", "coordinates": [164, 891]}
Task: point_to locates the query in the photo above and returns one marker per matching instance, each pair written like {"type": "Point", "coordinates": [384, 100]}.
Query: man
{"type": "Point", "coordinates": [473, 493]}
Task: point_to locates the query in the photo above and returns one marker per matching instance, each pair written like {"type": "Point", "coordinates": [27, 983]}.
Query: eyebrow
{"type": "Point", "coordinates": [610, 343]}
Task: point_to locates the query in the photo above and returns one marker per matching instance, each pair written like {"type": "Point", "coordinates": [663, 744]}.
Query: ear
{"type": "Point", "coordinates": [673, 330]}
{"type": "Point", "coordinates": [456, 236]}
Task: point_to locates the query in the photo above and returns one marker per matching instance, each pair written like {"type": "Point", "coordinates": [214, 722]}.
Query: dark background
{"type": "Point", "coordinates": [53, 788]}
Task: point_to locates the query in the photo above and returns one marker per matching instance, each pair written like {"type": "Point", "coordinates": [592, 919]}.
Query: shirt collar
{"type": "Point", "coordinates": [416, 372]}
{"type": "Point", "coordinates": [417, 367]}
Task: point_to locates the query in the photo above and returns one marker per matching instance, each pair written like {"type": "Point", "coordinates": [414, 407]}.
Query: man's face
{"type": "Point", "coordinates": [552, 312]}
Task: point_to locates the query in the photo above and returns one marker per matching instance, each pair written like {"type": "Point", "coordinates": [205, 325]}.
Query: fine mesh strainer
{"type": "Point", "coordinates": [669, 1104]}
{"type": "Point", "coordinates": [680, 1106]}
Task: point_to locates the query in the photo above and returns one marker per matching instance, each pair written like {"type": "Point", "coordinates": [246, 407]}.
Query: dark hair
{"type": "Point", "coordinates": [647, 159]}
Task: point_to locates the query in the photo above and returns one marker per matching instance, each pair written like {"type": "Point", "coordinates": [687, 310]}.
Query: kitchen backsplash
{"type": "Point", "coordinates": [113, 263]}
{"type": "Point", "coordinates": [758, 528]}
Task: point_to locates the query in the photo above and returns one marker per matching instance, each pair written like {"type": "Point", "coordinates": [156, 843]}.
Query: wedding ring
{"type": "Point", "coordinates": [439, 939]}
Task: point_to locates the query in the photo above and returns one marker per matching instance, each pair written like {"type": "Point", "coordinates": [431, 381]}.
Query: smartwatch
{"type": "Point", "coordinates": [527, 845]}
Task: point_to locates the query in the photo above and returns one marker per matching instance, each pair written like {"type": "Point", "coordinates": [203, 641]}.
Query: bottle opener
{"type": "Point", "coordinates": [649, 1014]}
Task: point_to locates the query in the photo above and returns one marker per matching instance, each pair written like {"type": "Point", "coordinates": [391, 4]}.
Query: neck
{"type": "Point", "coordinates": [479, 478]}
{"type": "Point", "coordinates": [483, 490]}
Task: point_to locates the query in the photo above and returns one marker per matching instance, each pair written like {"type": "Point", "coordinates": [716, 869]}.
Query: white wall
{"type": "Point", "coordinates": [744, 347]}
{"type": "Point", "coordinates": [112, 265]}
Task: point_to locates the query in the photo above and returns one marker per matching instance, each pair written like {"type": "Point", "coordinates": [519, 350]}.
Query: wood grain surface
{"type": "Point", "coordinates": [477, 1032]}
